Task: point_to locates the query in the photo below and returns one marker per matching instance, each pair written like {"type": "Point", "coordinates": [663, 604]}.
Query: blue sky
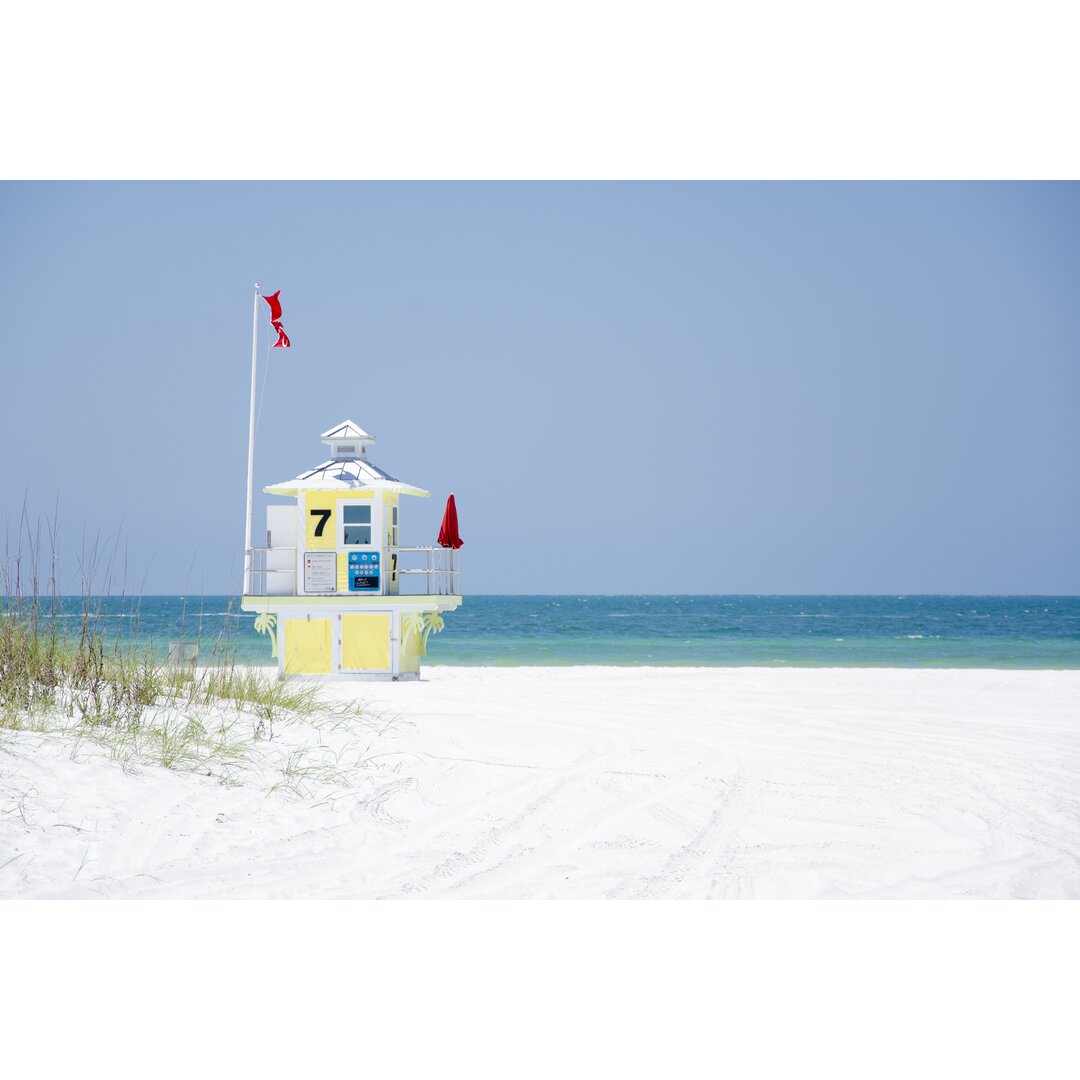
{"type": "Point", "coordinates": [630, 387]}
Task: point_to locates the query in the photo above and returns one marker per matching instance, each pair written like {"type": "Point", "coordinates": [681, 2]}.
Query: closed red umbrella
{"type": "Point", "coordinates": [448, 531]}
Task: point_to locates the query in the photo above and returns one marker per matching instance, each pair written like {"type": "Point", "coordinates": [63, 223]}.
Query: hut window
{"type": "Point", "coordinates": [357, 521]}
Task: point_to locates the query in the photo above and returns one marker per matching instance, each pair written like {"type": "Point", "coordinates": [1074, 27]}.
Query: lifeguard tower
{"type": "Point", "coordinates": [333, 589]}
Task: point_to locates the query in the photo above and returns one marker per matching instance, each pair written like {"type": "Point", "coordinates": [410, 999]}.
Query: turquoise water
{"type": "Point", "coordinates": [855, 631]}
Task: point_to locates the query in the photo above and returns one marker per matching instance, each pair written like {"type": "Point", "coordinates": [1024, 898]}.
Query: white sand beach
{"type": "Point", "coordinates": [592, 782]}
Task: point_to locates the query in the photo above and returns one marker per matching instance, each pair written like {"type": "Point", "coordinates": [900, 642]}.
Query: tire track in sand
{"type": "Point", "coordinates": [712, 842]}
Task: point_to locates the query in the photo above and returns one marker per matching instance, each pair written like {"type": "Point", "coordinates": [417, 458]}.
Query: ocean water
{"type": "Point", "coordinates": [714, 631]}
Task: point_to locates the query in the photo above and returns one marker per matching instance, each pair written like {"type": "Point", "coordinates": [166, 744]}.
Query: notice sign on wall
{"type": "Point", "coordinates": [320, 571]}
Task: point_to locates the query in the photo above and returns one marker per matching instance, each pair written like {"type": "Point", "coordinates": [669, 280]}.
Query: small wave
{"type": "Point", "coordinates": [94, 615]}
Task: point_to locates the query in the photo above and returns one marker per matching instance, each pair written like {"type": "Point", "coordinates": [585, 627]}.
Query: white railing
{"type": "Point", "coordinates": [273, 571]}
{"type": "Point", "coordinates": [441, 570]}
{"type": "Point", "coordinates": [266, 579]}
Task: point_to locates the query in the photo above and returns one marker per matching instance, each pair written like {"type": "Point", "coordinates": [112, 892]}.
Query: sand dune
{"type": "Point", "coordinates": [596, 782]}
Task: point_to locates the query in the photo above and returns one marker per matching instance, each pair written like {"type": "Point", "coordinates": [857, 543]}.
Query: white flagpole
{"type": "Point", "coordinates": [248, 553]}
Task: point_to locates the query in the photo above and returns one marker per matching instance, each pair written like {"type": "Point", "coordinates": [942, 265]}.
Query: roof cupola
{"type": "Point", "coordinates": [347, 441]}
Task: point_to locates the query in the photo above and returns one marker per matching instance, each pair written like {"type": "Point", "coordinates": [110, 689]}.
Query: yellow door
{"type": "Point", "coordinates": [308, 647]}
{"type": "Point", "coordinates": [365, 642]}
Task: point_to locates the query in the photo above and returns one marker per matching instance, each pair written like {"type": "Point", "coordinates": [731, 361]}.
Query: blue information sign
{"type": "Point", "coordinates": [363, 571]}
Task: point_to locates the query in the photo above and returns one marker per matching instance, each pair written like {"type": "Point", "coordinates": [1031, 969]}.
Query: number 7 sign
{"type": "Point", "coordinates": [323, 516]}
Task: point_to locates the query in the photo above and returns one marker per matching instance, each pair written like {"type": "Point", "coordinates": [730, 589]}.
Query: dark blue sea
{"type": "Point", "coordinates": [713, 631]}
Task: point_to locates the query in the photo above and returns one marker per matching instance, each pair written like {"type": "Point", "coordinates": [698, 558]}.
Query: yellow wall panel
{"type": "Point", "coordinates": [308, 647]}
{"type": "Point", "coordinates": [320, 501]}
{"type": "Point", "coordinates": [365, 642]}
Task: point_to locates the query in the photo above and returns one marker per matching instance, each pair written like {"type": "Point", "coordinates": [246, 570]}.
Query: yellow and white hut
{"type": "Point", "coordinates": [334, 589]}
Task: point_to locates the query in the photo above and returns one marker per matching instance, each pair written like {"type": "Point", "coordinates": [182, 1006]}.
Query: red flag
{"type": "Point", "coordinates": [275, 321]}
{"type": "Point", "coordinates": [275, 306]}
{"type": "Point", "coordinates": [448, 532]}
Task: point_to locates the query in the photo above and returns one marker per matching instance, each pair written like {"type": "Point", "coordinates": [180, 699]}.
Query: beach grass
{"type": "Point", "coordinates": [216, 720]}
{"type": "Point", "coordinates": [78, 674]}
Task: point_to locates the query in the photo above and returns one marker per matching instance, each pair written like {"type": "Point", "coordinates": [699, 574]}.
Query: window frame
{"type": "Point", "coordinates": [370, 524]}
